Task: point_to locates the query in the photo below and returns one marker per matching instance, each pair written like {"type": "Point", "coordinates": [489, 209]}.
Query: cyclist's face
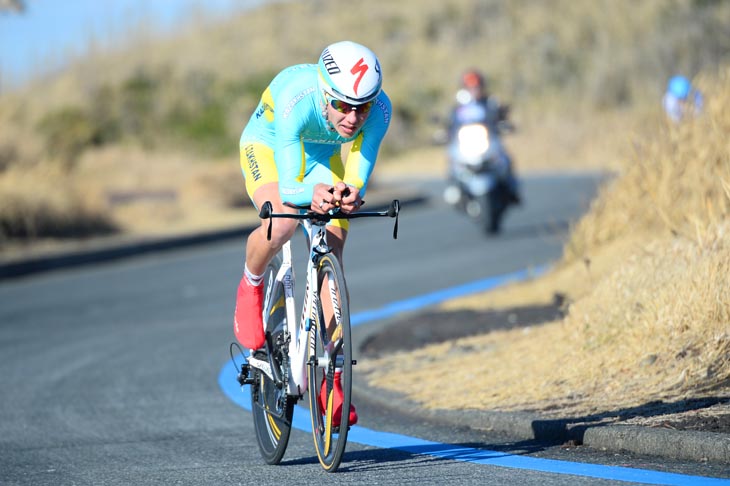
{"type": "Point", "coordinates": [347, 119]}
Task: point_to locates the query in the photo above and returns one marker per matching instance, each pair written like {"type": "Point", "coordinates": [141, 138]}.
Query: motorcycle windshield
{"type": "Point", "coordinates": [470, 113]}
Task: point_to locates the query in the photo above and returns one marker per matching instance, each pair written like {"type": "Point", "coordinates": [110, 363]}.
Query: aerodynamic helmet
{"type": "Point", "coordinates": [350, 72]}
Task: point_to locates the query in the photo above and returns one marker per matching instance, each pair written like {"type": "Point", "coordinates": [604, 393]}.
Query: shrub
{"type": "Point", "coordinates": [67, 132]}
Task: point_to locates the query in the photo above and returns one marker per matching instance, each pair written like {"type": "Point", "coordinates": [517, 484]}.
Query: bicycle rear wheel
{"type": "Point", "coordinates": [329, 352]}
{"type": "Point", "coordinates": [271, 407]}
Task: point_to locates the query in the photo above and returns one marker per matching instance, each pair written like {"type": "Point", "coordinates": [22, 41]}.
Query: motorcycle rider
{"type": "Point", "coordinates": [474, 91]}
{"type": "Point", "coordinates": [475, 104]}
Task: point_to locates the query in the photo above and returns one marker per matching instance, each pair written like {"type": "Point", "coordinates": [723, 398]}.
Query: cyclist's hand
{"type": "Point", "coordinates": [323, 198]}
{"type": "Point", "coordinates": [347, 197]}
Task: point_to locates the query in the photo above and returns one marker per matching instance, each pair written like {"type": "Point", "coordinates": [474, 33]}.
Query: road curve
{"type": "Point", "coordinates": [109, 371]}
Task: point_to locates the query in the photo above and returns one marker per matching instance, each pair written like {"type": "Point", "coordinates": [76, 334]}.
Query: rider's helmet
{"type": "Point", "coordinates": [472, 79]}
{"type": "Point", "coordinates": [473, 82]}
{"type": "Point", "coordinates": [350, 72]}
{"type": "Point", "coordinates": [679, 86]}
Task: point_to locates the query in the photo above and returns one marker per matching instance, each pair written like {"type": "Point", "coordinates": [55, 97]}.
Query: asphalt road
{"type": "Point", "coordinates": [109, 373]}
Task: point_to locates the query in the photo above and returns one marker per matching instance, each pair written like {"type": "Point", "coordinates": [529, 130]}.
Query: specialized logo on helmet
{"type": "Point", "coordinates": [361, 68]}
{"type": "Point", "coordinates": [350, 72]}
{"type": "Point", "coordinates": [329, 63]}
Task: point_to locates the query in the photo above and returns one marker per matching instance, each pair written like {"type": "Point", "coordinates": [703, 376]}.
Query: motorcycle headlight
{"type": "Point", "coordinates": [473, 140]}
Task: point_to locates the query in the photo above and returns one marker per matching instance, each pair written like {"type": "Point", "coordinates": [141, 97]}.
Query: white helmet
{"type": "Point", "coordinates": [350, 72]}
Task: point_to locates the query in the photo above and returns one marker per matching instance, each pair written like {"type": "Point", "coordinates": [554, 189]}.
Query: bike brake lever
{"type": "Point", "coordinates": [265, 213]}
{"type": "Point", "coordinates": [393, 213]}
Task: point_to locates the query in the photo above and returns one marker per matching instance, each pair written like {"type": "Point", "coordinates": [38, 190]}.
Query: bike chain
{"type": "Point", "coordinates": [282, 343]}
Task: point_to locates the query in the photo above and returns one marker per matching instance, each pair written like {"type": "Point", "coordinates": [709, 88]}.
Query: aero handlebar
{"type": "Point", "coordinates": [267, 209]}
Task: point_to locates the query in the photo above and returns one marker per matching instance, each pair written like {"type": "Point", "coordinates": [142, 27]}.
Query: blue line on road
{"type": "Point", "coordinates": [385, 440]}
{"type": "Point", "coordinates": [439, 296]}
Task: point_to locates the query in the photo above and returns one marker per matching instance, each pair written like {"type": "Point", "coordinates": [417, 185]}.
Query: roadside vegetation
{"type": "Point", "coordinates": [644, 280]}
{"type": "Point", "coordinates": [170, 109]}
{"type": "Point", "coordinates": [142, 139]}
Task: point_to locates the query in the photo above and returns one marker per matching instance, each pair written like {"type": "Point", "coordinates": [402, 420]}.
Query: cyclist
{"type": "Point", "coordinates": [681, 99]}
{"type": "Point", "coordinates": [291, 152]}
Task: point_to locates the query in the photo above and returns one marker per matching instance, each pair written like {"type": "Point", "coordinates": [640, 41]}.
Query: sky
{"type": "Point", "coordinates": [50, 32]}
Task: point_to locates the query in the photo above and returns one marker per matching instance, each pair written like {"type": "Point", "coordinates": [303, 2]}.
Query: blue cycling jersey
{"type": "Point", "coordinates": [290, 118]}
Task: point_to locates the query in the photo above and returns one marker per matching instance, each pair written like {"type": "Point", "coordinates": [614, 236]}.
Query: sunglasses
{"type": "Point", "coordinates": [344, 107]}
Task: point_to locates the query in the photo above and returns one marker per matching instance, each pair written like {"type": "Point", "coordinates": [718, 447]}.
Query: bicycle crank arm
{"type": "Point", "coordinates": [264, 367]}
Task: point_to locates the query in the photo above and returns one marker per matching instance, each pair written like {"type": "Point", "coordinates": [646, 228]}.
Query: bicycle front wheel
{"type": "Point", "coordinates": [330, 359]}
{"type": "Point", "coordinates": [271, 407]}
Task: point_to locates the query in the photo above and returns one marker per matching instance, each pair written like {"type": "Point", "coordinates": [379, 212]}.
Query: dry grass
{"type": "Point", "coordinates": [172, 191]}
{"type": "Point", "coordinates": [649, 313]}
{"type": "Point", "coordinates": [644, 272]}
{"type": "Point", "coordinates": [655, 329]}
{"type": "Point", "coordinates": [561, 64]}
{"type": "Point", "coordinates": [677, 181]}
{"type": "Point", "coordinates": [122, 191]}
{"type": "Point", "coordinates": [45, 200]}
{"type": "Point", "coordinates": [146, 191]}
{"type": "Point", "coordinates": [560, 54]}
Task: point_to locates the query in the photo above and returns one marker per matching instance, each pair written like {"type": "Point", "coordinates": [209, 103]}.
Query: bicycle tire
{"type": "Point", "coordinates": [330, 441]}
{"type": "Point", "coordinates": [271, 407]}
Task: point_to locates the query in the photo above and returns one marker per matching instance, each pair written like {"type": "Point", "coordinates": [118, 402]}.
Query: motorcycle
{"type": "Point", "coordinates": [480, 180]}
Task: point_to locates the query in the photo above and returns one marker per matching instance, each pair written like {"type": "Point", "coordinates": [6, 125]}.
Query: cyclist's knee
{"type": "Point", "coordinates": [336, 238]}
{"type": "Point", "coordinates": [281, 231]}
{"type": "Point", "coordinates": [337, 235]}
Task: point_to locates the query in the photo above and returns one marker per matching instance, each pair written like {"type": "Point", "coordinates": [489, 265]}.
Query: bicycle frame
{"type": "Point", "coordinates": [301, 351]}
{"type": "Point", "coordinates": [316, 234]}
{"type": "Point", "coordinates": [317, 239]}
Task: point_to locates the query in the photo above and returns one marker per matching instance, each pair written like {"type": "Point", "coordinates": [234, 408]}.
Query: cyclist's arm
{"type": "Point", "coordinates": [364, 150]}
{"type": "Point", "coordinates": [289, 151]}
{"type": "Point", "coordinates": [290, 164]}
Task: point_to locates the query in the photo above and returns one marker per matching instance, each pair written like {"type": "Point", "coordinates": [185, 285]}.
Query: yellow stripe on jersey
{"type": "Point", "coordinates": [352, 168]}
{"type": "Point", "coordinates": [267, 103]}
{"type": "Point", "coordinates": [303, 161]}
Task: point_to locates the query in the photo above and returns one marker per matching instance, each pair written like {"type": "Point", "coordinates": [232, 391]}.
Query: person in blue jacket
{"type": "Point", "coordinates": [681, 99]}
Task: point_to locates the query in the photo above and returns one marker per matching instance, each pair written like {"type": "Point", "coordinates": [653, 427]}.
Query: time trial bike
{"type": "Point", "coordinates": [302, 356]}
